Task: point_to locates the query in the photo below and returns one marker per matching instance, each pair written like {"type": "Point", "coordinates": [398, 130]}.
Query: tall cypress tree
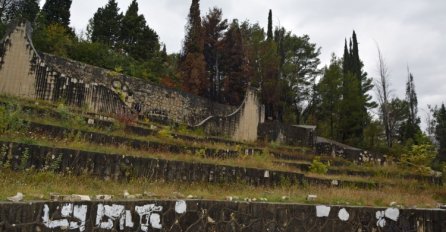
{"type": "Point", "coordinates": [269, 34]}
{"type": "Point", "coordinates": [440, 131]}
{"type": "Point", "coordinates": [57, 12]}
{"type": "Point", "coordinates": [353, 129]}
{"type": "Point", "coordinates": [192, 63]}
{"type": "Point", "coordinates": [106, 24]}
{"type": "Point", "coordinates": [411, 127]}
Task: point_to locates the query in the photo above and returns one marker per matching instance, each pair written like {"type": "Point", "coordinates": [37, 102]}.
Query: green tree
{"type": "Point", "coordinates": [330, 94]}
{"type": "Point", "coordinates": [351, 124]}
{"type": "Point", "coordinates": [356, 100]}
{"type": "Point", "coordinates": [234, 66]}
{"type": "Point", "coordinates": [214, 28]}
{"type": "Point", "coordinates": [105, 26]}
{"type": "Point", "coordinates": [54, 39]}
{"type": "Point", "coordinates": [192, 62]}
{"type": "Point", "coordinates": [20, 9]}
{"type": "Point", "coordinates": [137, 39]}
{"type": "Point", "coordinates": [269, 34]}
{"type": "Point", "coordinates": [299, 61]}
{"type": "Point", "coordinates": [440, 131]}
{"type": "Point", "coordinates": [411, 128]}
{"type": "Point", "coordinates": [57, 12]}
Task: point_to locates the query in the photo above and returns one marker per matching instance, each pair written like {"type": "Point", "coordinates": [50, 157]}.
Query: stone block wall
{"type": "Point", "coordinates": [201, 215]}
{"type": "Point", "coordinates": [335, 149]}
{"type": "Point", "coordinates": [26, 73]}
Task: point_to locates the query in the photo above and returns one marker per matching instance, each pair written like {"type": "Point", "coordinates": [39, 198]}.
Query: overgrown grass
{"type": "Point", "coordinates": [38, 186]}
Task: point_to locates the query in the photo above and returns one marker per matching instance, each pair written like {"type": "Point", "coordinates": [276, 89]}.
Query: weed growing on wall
{"type": "Point", "coordinates": [4, 160]}
{"type": "Point", "coordinates": [24, 159]}
{"type": "Point", "coordinates": [9, 120]}
{"type": "Point", "coordinates": [165, 133]}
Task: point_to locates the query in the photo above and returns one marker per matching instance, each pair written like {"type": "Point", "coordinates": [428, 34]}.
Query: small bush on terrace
{"type": "Point", "coordinates": [318, 167]}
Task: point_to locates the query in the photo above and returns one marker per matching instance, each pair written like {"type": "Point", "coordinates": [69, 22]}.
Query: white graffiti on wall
{"type": "Point", "coordinates": [108, 217]}
{"type": "Point", "coordinates": [148, 214]}
{"type": "Point", "coordinates": [390, 213]}
{"type": "Point", "coordinates": [73, 217]}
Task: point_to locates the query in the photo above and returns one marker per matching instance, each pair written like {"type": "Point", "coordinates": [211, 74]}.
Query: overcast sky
{"type": "Point", "coordinates": [409, 32]}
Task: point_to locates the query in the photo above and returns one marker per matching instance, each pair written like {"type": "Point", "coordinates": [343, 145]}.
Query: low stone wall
{"type": "Point", "coordinates": [199, 215]}
{"type": "Point", "coordinates": [287, 134]}
{"type": "Point", "coordinates": [120, 167]}
{"type": "Point", "coordinates": [335, 149]}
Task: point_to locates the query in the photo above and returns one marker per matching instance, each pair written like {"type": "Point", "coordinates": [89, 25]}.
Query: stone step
{"type": "Point", "coordinates": [120, 166]}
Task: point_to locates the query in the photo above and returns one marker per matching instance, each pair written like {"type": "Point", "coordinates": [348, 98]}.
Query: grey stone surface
{"type": "Point", "coordinates": [199, 215]}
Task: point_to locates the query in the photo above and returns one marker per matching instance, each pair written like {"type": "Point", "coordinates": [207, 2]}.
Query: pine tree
{"type": "Point", "coordinates": [21, 9]}
{"type": "Point", "coordinates": [440, 131]}
{"type": "Point", "coordinates": [234, 66]}
{"type": "Point", "coordinates": [136, 38]}
{"type": "Point", "coordinates": [269, 34]}
{"type": "Point", "coordinates": [214, 27]}
{"type": "Point", "coordinates": [105, 25]}
{"type": "Point", "coordinates": [330, 94]}
{"type": "Point", "coordinates": [411, 127]}
{"type": "Point", "coordinates": [57, 12]}
{"type": "Point", "coordinates": [192, 63]}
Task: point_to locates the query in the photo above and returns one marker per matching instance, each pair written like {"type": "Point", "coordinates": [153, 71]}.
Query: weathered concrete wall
{"type": "Point", "coordinates": [240, 125]}
{"type": "Point", "coordinates": [26, 73]}
{"type": "Point", "coordinates": [16, 77]}
{"type": "Point", "coordinates": [287, 134]}
{"type": "Point", "coordinates": [199, 215]}
{"type": "Point", "coordinates": [335, 149]}
{"type": "Point", "coordinates": [121, 167]}
{"type": "Point", "coordinates": [141, 96]}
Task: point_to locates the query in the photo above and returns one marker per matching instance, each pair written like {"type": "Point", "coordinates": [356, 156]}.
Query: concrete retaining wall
{"type": "Point", "coordinates": [29, 74]}
{"type": "Point", "coordinates": [197, 216]}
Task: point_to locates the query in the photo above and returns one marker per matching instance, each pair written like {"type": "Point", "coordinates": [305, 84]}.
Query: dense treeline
{"type": "Point", "coordinates": [220, 58]}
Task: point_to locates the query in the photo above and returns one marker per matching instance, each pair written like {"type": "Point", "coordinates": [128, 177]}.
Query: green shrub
{"type": "Point", "coordinates": [165, 133]}
{"type": "Point", "coordinates": [419, 158]}
{"type": "Point", "coordinates": [9, 120]}
{"type": "Point", "coordinates": [317, 166]}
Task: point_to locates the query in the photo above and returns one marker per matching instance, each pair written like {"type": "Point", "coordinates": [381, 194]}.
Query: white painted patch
{"type": "Point", "coordinates": [67, 209]}
{"type": "Point", "coordinates": [392, 213]}
{"type": "Point", "coordinates": [343, 215]}
{"type": "Point", "coordinates": [381, 222]}
{"type": "Point", "coordinates": [78, 213]}
{"type": "Point", "coordinates": [155, 221]}
{"type": "Point", "coordinates": [322, 211]}
{"type": "Point", "coordinates": [106, 215]}
{"type": "Point", "coordinates": [180, 207]}
{"type": "Point", "coordinates": [266, 175]}
{"type": "Point", "coordinates": [128, 219]}
{"type": "Point", "coordinates": [145, 213]}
